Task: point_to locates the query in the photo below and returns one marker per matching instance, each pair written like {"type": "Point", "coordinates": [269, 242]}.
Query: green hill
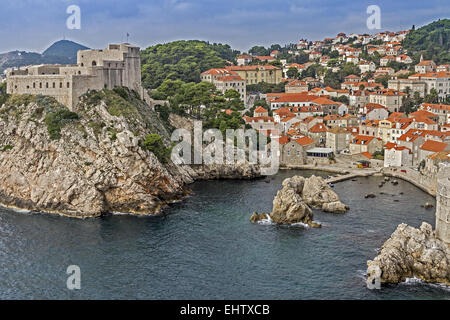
{"type": "Point", "coordinates": [64, 48]}
{"type": "Point", "coordinates": [182, 60]}
{"type": "Point", "coordinates": [432, 41]}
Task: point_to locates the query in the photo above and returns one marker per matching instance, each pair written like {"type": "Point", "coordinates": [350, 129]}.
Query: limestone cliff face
{"type": "Point", "coordinates": [411, 252]}
{"type": "Point", "coordinates": [91, 163]}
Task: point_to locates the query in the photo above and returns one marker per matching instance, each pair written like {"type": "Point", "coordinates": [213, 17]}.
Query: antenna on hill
{"type": "Point", "coordinates": [128, 35]}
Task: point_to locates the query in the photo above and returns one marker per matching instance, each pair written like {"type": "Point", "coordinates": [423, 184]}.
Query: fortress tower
{"type": "Point", "coordinates": [117, 65]}
{"type": "Point", "coordinates": [443, 204]}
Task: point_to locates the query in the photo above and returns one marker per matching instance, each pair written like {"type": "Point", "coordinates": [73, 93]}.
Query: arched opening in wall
{"type": "Point", "coordinates": [68, 85]}
{"type": "Point", "coordinates": [79, 72]}
{"type": "Point", "coordinates": [94, 63]}
{"type": "Point", "coordinates": [54, 85]}
{"type": "Point", "coordinates": [34, 85]}
{"type": "Point", "coordinates": [60, 84]}
{"type": "Point", "coordinates": [82, 64]}
{"type": "Point", "coordinates": [40, 84]}
{"type": "Point", "coordinates": [46, 85]}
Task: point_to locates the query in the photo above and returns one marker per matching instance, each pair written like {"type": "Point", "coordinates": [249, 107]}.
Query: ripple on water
{"type": "Point", "coordinates": [205, 247]}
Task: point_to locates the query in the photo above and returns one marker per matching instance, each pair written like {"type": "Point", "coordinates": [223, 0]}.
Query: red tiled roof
{"type": "Point", "coordinates": [434, 146]}
{"type": "Point", "coordinates": [304, 141]}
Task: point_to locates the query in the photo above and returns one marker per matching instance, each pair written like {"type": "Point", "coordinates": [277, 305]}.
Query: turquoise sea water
{"type": "Point", "coordinates": [206, 248]}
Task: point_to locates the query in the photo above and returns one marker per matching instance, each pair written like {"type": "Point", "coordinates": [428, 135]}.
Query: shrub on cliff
{"type": "Point", "coordinates": [155, 144]}
{"type": "Point", "coordinates": [56, 119]}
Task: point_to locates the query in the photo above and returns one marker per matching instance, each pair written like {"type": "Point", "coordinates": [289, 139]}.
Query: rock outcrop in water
{"type": "Point", "coordinates": [110, 155]}
{"type": "Point", "coordinates": [318, 194]}
{"type": "Point", "coordinates": [292, 203]}
{"type": "Point", "coordinates": [411, 252]}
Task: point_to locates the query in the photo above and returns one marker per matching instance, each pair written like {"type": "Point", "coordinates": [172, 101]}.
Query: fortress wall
{"type": "Point", "coordinates": [118, 65]}
{"type": "Point", "coordinates": [443, 204]}
{"type": "Point", "coordinates": [57, 86]}
{"type": "Point", "coordinates": [80, 85]}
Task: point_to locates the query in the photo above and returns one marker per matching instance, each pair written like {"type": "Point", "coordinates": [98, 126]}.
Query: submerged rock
{"type": "Point", "coordinates": [370, 196]}
{"type": "Point", "coordinates": [411, 252]}
{"type": "Point", "coordinates": [258, 217]}
{"type": "Point", "coordinates": [428, 205]}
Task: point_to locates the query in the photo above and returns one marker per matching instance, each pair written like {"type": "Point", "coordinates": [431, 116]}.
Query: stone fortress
{"type": "Point", "coordinates": [117, 65]}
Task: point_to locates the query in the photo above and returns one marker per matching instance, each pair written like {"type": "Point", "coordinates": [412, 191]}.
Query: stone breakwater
{"type": "Point", "coordinates": [408, 253]}
{"type": "Point", "coordinates": [292, 204]}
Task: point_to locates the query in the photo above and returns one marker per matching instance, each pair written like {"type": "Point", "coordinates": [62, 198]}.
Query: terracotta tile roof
{"type": "Point", "coordinates": [360, 139]}
{"type": "Point", "coordinates": [304, 141]}
{"type": "Point", "coordinates": [283, 140]}
{"type": "Point", "coordinates": [441, 156]}
{"type": "Point", "coordinates": [434, 146]}
{"type": "Point", "coordinates": [317, 128]}
{"type": "Point", "coordinates": [260, 110]}
{"type": "Point", "coordinates": [367, 155]}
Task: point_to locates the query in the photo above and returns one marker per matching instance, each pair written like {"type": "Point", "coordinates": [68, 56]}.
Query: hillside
{"type": "Point", "coordinates": [432, 41]}
{"type": "Point", "coordinates": [183, 60]}
{"type": "Point", "coordinates": [61, 52]}
{"type": "Point", "coordinates": [64, 48]}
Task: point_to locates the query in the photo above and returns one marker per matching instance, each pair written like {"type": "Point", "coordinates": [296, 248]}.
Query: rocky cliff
{"type": "Point", "coordinates": [408, 253]}
{"type": "Point", "coordinates": [292, 203]}
{"type": "Point", "coordinates": [112, 154]}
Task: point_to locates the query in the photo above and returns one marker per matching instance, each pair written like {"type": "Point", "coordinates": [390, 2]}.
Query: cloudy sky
{"type": "Point", "coordinates": [32, 25]}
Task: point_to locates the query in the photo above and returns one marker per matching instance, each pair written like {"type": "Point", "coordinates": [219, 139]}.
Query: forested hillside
{"type": "Point", "coordinates": [432, 41]}
{"type": "Point", "coordinates": [182, 60]}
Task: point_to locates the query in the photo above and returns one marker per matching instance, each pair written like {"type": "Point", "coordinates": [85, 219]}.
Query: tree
{"type": "Point", "coordinates": [292, 73]}
{"type": "Point", "coordinates": [432, 97]}
{"type": "Point", "coordinates": [258, 51]}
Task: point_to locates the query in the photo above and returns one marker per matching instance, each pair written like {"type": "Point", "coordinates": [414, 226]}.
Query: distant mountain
{"type": "Point", "coordinates": [60, 52]}
{"type": "Point", "coordinates": [432, 41]}
{"type": "Point", "coordinates": [64, 48]}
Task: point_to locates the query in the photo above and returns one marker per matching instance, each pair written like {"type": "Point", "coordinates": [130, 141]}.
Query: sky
{"type": "Point", "coordinates": [32, 25]}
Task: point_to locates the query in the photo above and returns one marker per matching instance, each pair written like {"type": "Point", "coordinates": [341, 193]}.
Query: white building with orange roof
{"type": "Point", "coordinates": [258, 73]}
{"type": "Point", "coordinates": [403, 58]}
{"type": "Point", "coordinates": [367, 66]}
{"type": "Point", "coordinates": [397, 156]}
{"type": "Point", "coordinates": [260, 112]}
{"type": "Point", "coordinates": [440, 81]}
{"type": "Point", "coordinates": [425, 66]}
{"type": "Point", "coordinates": [243, 59]}
{"type": "Point", "coordinates": [296, 86]}
{"type": "Point", "coordinates": [442, 110]}
{"type": "Point", "coordinates": [338, 139]}
{"type": "Point", "coordinates": [430, 147]}
{"type": "Point", "coordinates": [384, 61]}
{"type": "Point", "coordinates": [361, 144]}
{"type": "Point", "coordinates": [389, 98]}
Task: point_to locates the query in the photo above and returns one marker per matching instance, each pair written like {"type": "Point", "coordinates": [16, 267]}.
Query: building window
{"type": "Point", "coordinates": [94, 63]}
{"type": "Point", "coordinates": [54, 85]}
{"type": "Point", "coordinates": [40, 84]}
{"type": "Point", "coordinates": [46, 85]}
{"type": "Point", "coordinates": [60, 84]}
{"type": "Point", "coordinates": [68, 85]}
